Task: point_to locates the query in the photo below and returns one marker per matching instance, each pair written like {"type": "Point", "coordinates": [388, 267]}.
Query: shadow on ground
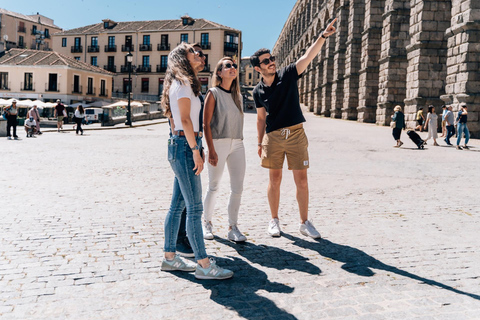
{"type": "Point", "coordinates": [360, 263]}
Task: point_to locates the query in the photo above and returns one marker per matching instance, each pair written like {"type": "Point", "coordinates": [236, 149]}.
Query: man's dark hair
{"type": "Point", "coordinates": [254, 59]}
{"type": "Point", "coordinates": [196, 44]}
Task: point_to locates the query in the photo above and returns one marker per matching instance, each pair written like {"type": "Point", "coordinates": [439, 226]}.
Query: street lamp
{"type": "Point", "coordinates": [129, 110]}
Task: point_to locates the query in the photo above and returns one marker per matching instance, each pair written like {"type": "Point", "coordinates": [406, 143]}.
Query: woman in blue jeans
{"type": "Point", "coordinates": [182, 105]}
{"type": "Point", "coordinates": [462, 127]}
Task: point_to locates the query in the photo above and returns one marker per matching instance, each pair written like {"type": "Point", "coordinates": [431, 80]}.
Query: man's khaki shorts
{"type": "Point", "coordinates": [60, 119]}
{"type": "Point", "coordinates": [291, 142]}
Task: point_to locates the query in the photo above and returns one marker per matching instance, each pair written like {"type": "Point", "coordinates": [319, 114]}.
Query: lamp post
{"type": "Point", "coordinates": [129, 109]}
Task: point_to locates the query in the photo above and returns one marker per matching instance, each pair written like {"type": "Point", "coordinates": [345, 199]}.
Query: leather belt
{"type": "Point", "coordinates": [182, 134]}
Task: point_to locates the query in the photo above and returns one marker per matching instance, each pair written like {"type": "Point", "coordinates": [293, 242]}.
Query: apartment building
{"type": "Point", "coordinates": [107, 44]}
{"type": "Point", "coordinates": [26, 31]}
{"type": "Point", "coordinates": [248, 75]}
{"type": "Point", "coordinates": [48, 75]}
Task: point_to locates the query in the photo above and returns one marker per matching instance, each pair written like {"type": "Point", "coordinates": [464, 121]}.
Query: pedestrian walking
{"type": "Point", "coordinates": [444, 123]}
{"type": "Point", "coordinates": [462, 128]}
{"type": "Point", "coordinates": [181, 103]}
{"type": "Point", "coordinates": [399, 119]}
{"type": "Point", "coordinates": [280, 129]}
{"type": "Point", "coordinates": [60, 112]}
{"type": "Point", "coordinates": [79, 117]}
{"type": "Point", "coordinates": [420, 120]}
{"type": "Point", "coordinates": [449, 125]}
{"type": "Point", "coordinates": [431, 124]}
{"type": "Point", "coordinates": [223, 122]}
{"type": "Point", "coordinates": [12, 112]}
{"type": "Point", "coordinates": [33, 113]}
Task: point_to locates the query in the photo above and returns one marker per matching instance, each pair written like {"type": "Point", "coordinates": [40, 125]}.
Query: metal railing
{"type": "Point", "coordinates": [144, 69]}
{"type": "Point", "coordinates": [5, 86]}
{"type": "Point", "coordinates": [161, 68]}
{"type": "Point", "coordinates": [110, 48]}
{"type": "Point", "coordinates": [76, 89]}
{"type": "Point", "coordinates": [145, 47]}
{"type": "Point", "coordinates": [104, 93]}
{"type": "Point", "coordinates": [93, 49]}
{"type": "Point", "coordinates": [126, 48]}
{"type": "Point", "coordinates": [22, 29]}
{"type": "Point", "coordinates": [163, 47]}
{"type": "Point", "coordinates": [111, 68]}
{"type": "Point", "coordinates": [230, 46]}
{"type": "Point", "coordinates": [77, 49]}
{"type": "Point", "coordinates": [91, 91]}
{"type": "Point", "coordinates": [206, 45]}
{"type": "Point", "coordinates": [27, 87]}
{"type": "Point", "coordinates": [50, 87]}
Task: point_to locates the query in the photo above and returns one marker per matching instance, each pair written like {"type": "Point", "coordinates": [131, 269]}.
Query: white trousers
{"type": "Point", "coordinates": [232, 153]}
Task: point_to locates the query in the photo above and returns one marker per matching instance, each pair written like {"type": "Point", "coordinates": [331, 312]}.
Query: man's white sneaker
{"type": "Point", "coordinates": [235, 235]}
{"type": "Point", "coordinates": [207, 230]}
{"type": "Point", "coordinates": [178, 264]}
{"type": "Point", "coordinates": [274, 228]}
{"type": "Point", "coordinates": [213, 272]}
{"type": "Point", "coordinates": [309, 230]}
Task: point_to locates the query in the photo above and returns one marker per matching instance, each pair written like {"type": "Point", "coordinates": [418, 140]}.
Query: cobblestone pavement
{"type": "Point", "coordinates": [82, 231]}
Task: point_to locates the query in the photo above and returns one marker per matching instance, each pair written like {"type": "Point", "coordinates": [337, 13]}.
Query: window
{"type": "Point", "coordinates": [77, 42]}
{"type": "Point", "coordinates": [146, 39]}
{"type": "Point", "coordinates": [21, 26]}
{"type": "Point", "coordinates": [249, 76]}
{"type": "Point", "coordinates": [47, 33]}
{"type": "Point", "coordinates": [90, 86]}
{"type": "Point", "coordinates": [111, 41]}
{"type": "Point", "coordinates": [111, 61]}
{"type": "Point", "coordinates": [146, 61]}
{"type": "Point", "coordinates": [3, 80]}
{"type": "Point", "coordinates": [34, 30]}
{"type": "Point", "coordinates": [105, 25]}
{"type": "Point", "coordinates": [76, 84]}
{"type": "Point", "coordinates": [52, 82]}
{"type": "Point", "coordinates": [64, 42]}
{"type": "Point", "coordinates": [94, 41]}
{"type": "Point", "coordinates": [160, 87]}
{"type": "Point", "coordinates": [164, 40]}
{"type": "Point", "coordinates": [102, 88]}
{"type": "Point", "coordinates": [77, 58]}
{"type": "Point", "coordinates": [163, 61]}
{"type": "Point", "coordinates": [145, 84]}
{"type": "Point", "coordinates": [204, 39]}
{"type": "Point", "coordinates": [20, 41]}
{"type": "Point", "coordinates": [94, 61]}
{"type": "Point", "coordinates": [184, 37]}
{"type": "Point", "coordinates": [28, 81]}
{"type": "Point", "coordinates": [184, 21]}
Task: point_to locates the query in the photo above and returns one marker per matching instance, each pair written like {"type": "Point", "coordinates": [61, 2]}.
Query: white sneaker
{"type": "Point", "coordinates": [207, 230]}
{"type": "Point", "coordinates": [274, 228]}
{"type": "Point", "coordinates": [309, 230]}
{"type": "Point", "coordinates": [236, 235]}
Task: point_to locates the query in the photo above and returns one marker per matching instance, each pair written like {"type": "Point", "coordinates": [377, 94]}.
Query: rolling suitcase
{"type": "Point", "coordinates": [416, 139]}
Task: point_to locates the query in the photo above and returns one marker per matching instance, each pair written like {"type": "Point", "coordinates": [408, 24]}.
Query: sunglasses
{"type": "Point", "coordinates": [229, 65]}
{"type": "Point", "coordinates": [200, 53]}
{"type": "Point", "coordinates": [267, 60]}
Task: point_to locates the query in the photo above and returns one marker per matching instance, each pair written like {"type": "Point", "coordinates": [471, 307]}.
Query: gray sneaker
{"type": "Point", "coordinates": [178, 264]}
{"type": "Point", "coordinates": [309, 230]}
{"type": "Point", "coordinates": [236, 235]}
{"type": "Point", "coordinates": [213, 272]}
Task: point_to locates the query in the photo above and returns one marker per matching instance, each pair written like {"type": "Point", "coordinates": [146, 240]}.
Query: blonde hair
{"type": "Point", "coordinates": [178, 68]}
{"type": "Point", "coordinates": [234, 88]}
{"type": "Point", "coordinates": [397, 108]}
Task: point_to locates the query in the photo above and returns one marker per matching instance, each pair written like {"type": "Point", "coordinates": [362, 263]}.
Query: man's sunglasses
{"type": "Point", "coordinates": [200, 53]}
{"type": "Point", "coordinates": [229, 65]}
{"type": "Point", "coordinates": [267, 60]}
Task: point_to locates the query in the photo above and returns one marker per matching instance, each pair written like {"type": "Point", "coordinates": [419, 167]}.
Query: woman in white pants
{"type": "Point", "coordinates": [223, 123]}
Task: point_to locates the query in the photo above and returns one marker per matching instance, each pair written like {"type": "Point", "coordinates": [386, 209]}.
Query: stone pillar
{"type": "Point", "coordinates": [463, 80]}
{"type": "Point", "coordinates": [327, 76]}
{"type": "Point", "coordinates": [339, 60]}
{"type": "Point", "coordinates": [352, 59]}
{"type": "Point", "coordinates": [311, 85]}
{"type": "Point", "coordinates": [318, 82]}
{"type": "Point", "coordinates": [371, 45]}
{"type": "Point", "coordinates": [393, 59]}
{"type": "Point", "coordinates": [426, 55]}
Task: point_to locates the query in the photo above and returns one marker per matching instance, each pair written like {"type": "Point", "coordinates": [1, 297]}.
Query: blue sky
{"type": "Point", "coordinates": [260, 21]}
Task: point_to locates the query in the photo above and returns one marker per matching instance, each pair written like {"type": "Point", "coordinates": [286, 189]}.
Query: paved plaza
{"type": "Point", "coordinates": [82, 217]}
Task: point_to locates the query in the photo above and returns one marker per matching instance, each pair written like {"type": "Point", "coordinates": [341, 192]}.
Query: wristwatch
{"type": "Point", "coordinates": [195, 148]}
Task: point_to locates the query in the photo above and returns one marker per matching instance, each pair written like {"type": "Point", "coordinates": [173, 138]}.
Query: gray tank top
{"type": "Point", "coordinates": [227, 120]}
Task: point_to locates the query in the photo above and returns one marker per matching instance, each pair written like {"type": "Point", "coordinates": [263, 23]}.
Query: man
{"type": "Point", "coordinates": [280, 129]}
{"type": "Point", "coordinates": [36, 116]}
{"type": "Point", "coordinates": [59, 113]}
{"type": "Point", "coordinates": [183, 245]}
{"type": "Point", "coordinates": [30, 126]}
{"type": "Point", "coordinates": [449, 125]}
{"type": "Point", "coordinates": [12, 112]}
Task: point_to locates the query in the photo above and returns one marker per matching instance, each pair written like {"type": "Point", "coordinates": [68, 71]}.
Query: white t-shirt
{"type": "Point", "coordinates": [29, 123]}
{"type": "Point", "coordinates": [178, 91]}
{"type": "Point", "coordinates": [79, 115]}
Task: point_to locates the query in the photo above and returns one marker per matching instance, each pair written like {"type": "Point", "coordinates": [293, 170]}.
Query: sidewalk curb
{"type": "Point", "coordinates": [115, 127]}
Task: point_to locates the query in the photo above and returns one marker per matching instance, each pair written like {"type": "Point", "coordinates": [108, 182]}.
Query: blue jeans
{"type": "Point", "coordinates": [187, 192]}
{"type": "Point", "coordinates": [450, 133]}
{"type": "Point", "coordinates": [462, 128]}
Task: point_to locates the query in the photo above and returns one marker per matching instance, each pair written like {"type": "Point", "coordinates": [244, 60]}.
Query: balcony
{"type": "Point", "coordinates": [110, 48]}
{"type": "Point", "coordinates": [47, 36]}
{"type": "Point", "coordinates": [77, 89]}
{"type": "Point", "coordinates": [93, 49]}
{"type": "Point", "coordinates": [128, 48]}
{"type": "Point", "coordinates": [91, 91]}
{"type": "Point", "coordinates": [77, 49]}
{"type": "Point", "coordinates": [103, 93]}
{"type": "Point", "coordinates": [124, 68]}
{"type": "Point", "coordinates": [163, 47]}
{"type": "Point", "coordinates": [27, 87]}
{"type": "Point", "coordinates": [230, 47]}
{"type": "Point", "coordinates": [161, 68]}
{"type": "Point", "coordinates": [206, 45]}
{"type": "Point", "coordinates": [52, 87]}
{"type": "Point", "coordinates": [144, 69]}
{"type": "Point", "coordinates": [145, 47]}
{"type": "Point", "coordinates": [22, 29]}
{"type": "Point", "coordinates": [5, 86]}
{"type": "Point", "coordinates": [110, 68]}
